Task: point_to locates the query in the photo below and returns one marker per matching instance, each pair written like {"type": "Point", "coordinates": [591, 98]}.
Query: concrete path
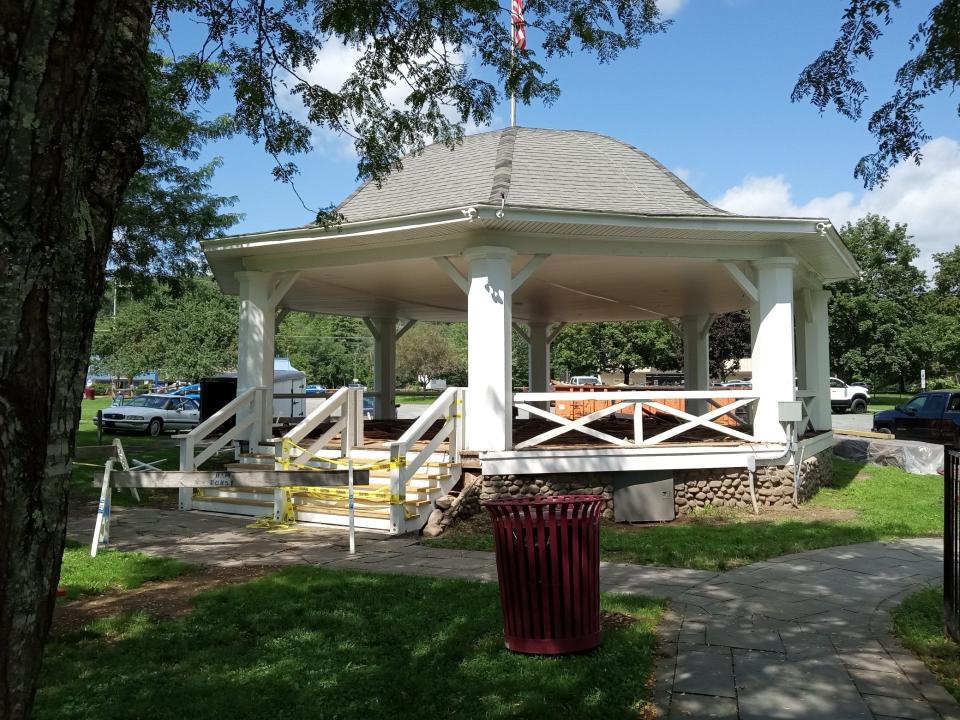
{"type": "Point", "coordinates": [801, 636]}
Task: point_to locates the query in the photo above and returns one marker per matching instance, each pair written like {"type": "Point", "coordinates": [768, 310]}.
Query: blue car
{"type": "Point", "coordinates": [190, 391]}
{"type": "Point", "coordinates": [315, 390]}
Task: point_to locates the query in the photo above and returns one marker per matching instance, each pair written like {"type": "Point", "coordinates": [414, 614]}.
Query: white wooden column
{"type": "Point", "coordinates": [773, 353]}
{"type": "Point", "coordinates": [538, 357]}
{"type": "Point", "coordinates": [816, 352]}
{"type": "Point", "coordinates": [489, 406]}
{"type": "Point", "coordinates": [256, 344]}
{"type": "Point", "coordinates": [384, 331]}
{"type": "Point", "coordinates": [696, 358]}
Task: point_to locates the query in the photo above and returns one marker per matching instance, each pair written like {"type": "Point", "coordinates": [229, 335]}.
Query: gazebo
{"type": "Point", "coordinates": [533, 229]}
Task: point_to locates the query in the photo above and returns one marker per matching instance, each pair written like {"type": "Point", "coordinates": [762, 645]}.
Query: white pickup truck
{"type": "Point", "coordinates": [843, 397]}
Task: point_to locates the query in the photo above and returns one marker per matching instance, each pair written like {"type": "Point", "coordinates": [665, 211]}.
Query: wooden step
{"type": "Point", "coordinates": [264, 494]}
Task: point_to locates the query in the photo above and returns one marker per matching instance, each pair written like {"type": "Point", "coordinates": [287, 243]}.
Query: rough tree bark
{"type": "Point", "coordinates": [73, 108]}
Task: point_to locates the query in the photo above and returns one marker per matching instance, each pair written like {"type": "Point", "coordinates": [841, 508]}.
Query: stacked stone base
{"type": "Point", "coordinates": [730, 487]}
{"type": "Point", "coordinates": [497, 487]}
{"type": "Point", "coordinates": [719, 487]}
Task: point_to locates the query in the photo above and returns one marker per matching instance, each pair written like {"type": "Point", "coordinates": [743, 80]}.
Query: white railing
{"type": "Point", "coordinates": [348, 403]}
{"type": "Point", "coordinates": [625, 401]}
{"type": "Point", "coordinates": [247, 408]}
{"type": "Point", "coordinates": [449, 407]}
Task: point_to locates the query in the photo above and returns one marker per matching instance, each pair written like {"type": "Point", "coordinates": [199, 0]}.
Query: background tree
{"type": "Point", "coordinates": [629, 346]}
{"type": "Point", "coordinates": [589, 348]}
{"type": "Point", "coordinates": [169, 206]}
{"type": "Point", "coordinates": [185, 334]}
{"type": "Point", "coordinates": [577, 350]}
{"type": "Point", "coordinates": [197, 332]}
{"type": "Point", "coordinates": [877, 329]}
{"type": "Point", "coordinates": [729, 343]}
{"type": "Point", "coordinates": [330, 349]}
{"type": "Point", "coordinates": [127, 344]}
{"type": "Point", "coordinates": [424, 352]}
{"type": "Point", "coordinates": [67, 158]}
{"type": "Point", "coordinates": [942, 312]}
{"type": "Point", "coordinates": [933, 67]}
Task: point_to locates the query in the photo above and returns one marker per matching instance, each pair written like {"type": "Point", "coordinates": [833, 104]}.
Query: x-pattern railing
{"type": "Point", "coordinates": [724, 404]}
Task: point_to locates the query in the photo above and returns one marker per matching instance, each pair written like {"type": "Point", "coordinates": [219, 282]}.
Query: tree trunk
{"type": "Point", "coordinates": [627, 371]}
{"type": "Point", "coordinates": [73, 108]}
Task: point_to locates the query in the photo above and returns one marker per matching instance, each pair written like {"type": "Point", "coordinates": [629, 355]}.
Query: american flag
{"type": "Point", "coordinates": [519, 28]}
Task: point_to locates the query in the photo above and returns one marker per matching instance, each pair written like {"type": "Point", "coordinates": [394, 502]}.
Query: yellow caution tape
{"type": "Point", "coordinates": [267, 522]}
{"type": "Point", "coordinates": [378, 494]}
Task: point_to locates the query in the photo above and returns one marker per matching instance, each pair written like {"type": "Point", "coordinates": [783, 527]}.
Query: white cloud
{"type": "Point", "coordinates": [669, 8]}
{"type": "Point", "coordinates": [334, 64]}
{"type": "Point", "coordinates": [926, 197]}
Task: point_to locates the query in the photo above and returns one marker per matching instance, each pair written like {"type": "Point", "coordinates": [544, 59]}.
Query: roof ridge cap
{"type": "Point", "coordinates": [503, 165]}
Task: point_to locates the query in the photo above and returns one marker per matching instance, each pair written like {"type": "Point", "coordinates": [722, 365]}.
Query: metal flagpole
{"type": "Point", "coordinates": [513, 54]}
{"type": "Point", "coordinates": [517, 37]}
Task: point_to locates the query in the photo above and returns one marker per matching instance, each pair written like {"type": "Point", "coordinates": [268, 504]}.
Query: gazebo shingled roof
{"type": "Point", "coordinates": [534, 168]}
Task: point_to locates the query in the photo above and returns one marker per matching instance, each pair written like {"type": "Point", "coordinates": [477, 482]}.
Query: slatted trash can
{"type": "Point", "coordinates": [548, 565]}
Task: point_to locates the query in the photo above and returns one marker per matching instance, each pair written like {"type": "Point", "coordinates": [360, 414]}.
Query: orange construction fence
{"type": "Point", "coordinates": [573, 409]}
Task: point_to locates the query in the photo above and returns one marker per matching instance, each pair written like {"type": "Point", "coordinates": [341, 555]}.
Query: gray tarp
{"type": "Point", "coordinates": [911, 455]}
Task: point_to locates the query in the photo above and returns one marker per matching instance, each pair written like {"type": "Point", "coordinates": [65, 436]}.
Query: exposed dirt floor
{"type": "Point", "coordinates": [161, 598]}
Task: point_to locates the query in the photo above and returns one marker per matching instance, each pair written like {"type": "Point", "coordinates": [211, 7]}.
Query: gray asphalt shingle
{"type": "Point", "coordinates": [533, 168]}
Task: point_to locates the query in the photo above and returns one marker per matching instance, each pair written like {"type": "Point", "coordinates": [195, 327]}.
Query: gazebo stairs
{"type": "Point", "coordinates": [330, 505]}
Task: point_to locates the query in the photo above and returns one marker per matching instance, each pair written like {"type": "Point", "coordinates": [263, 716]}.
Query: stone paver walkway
{"type": "Point", "coordinates": [802, 636]}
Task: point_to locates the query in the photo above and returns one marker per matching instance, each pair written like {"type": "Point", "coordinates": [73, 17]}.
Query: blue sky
{"type": "Point", "coordinates": [710, 99]}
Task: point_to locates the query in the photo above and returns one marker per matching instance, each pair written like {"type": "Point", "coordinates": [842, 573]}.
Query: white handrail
{"type": "Point", "coordinates": [317, 415]}
{"type": "Point", "coordinates": [250, 400]}
{"type": "Point", "coordinates": [349, 425]}
{"type": "Point", "coordinates": [449, 408]}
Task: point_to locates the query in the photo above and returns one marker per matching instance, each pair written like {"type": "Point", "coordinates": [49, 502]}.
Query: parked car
{"type": "Point", "coordinates": [315, 390]}
{"type": "Point", "coordinates": [190, 391]}
{"type": "Point", "coordinates": [853, 397]}
{"type": "Point", "coordinates": [153, 414]}
{"type": "Point", "coordinates": [368, 407]}
{"type": "Point", "coordinates": [933, 416]}
{"type": "Point", "coordinates": [744, 384]}
{"type": "Point", "coordinates": [585, 380]}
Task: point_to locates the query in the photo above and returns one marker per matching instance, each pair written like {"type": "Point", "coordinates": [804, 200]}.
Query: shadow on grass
{"type": "Point", "coordinates": [845, 472]}
{"type": "Point", "coordinates": [312, 643]}
{"type": "Point", "coordinates": [81, 574]}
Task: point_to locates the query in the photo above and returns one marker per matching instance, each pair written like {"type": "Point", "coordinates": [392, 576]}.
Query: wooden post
{"type": "Point", "coordinates": [101, 528]}
{"type": "Point", "coordinates": [398, 488]}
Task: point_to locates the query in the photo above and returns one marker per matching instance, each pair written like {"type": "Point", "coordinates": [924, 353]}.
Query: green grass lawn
{"type": "Point", "coordinates": [81, 574]}
{"type": "Point", "coordinates": [417, 399]}
{"type": "Point", "coordinates": [872, 502]}
{"type": "Point", "coordinates": [887, 401]}
{"type": "Point", "coordinates": [314, 643]}
{"type": "Point", "coordinates": [918, 621]}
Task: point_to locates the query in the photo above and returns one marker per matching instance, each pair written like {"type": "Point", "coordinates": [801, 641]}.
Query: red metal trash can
{"type": "Point", "coordinates": [548, 565]}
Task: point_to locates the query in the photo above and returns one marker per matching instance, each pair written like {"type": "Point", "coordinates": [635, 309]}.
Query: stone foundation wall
{"type": "Point", "coordinates": [730, 487]}
{"type": "Point", "coordinates": [725, 487]}
{"type": "Point", "coordinates": [507, 486]}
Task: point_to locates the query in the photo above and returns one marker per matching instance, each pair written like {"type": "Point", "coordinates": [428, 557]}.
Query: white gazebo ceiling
{"type": "Point", "coordinates": [624, 237]}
